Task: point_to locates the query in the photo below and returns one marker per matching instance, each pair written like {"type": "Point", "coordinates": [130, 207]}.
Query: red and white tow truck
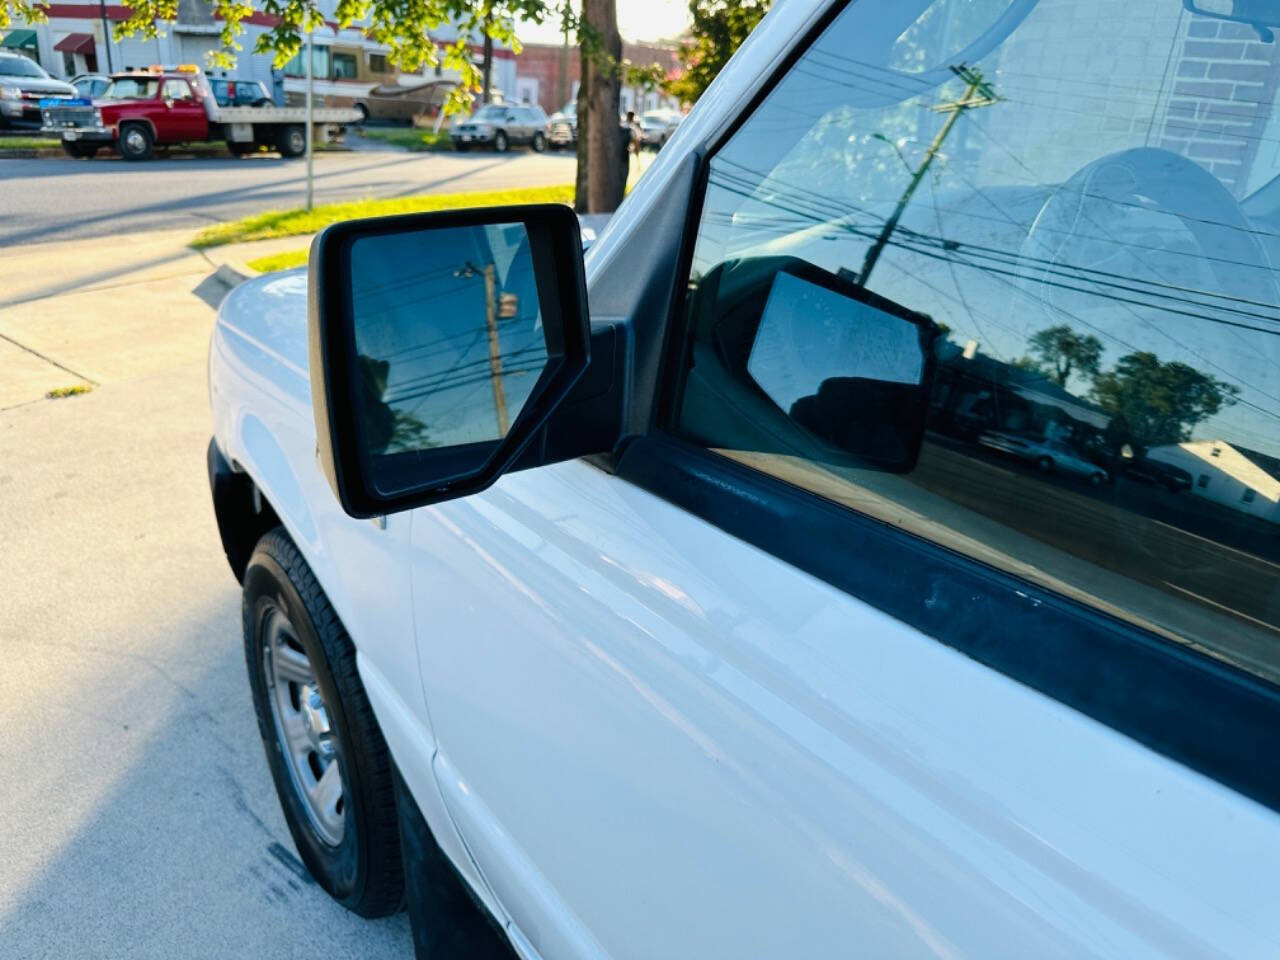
{"type": "Point", "coordinates": [164, 106]}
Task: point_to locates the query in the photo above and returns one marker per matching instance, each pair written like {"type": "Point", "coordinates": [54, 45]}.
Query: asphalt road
{"type": "Point", "coordinates": [56, 198]}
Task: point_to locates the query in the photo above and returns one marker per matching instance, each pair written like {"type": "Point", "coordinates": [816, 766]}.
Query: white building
{"type": "Point", "coordinates": [77, 39]}
{"type": "Point", "coordinates": [1221, 473]}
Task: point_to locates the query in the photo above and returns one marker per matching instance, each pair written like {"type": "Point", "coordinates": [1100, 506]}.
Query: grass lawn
{"type": "Point", "coordinates": [296, 222]}
{"type": "Point", "coordinates": [280, 261]}
{"type": "Point", "coordinates": [410, 138]}
{"type": "Point", "coordinates": [28, 143]}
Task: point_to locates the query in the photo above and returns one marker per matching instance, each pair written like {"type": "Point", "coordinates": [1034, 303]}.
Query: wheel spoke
{"type": "Point", "coordinates": [328, 791]}
{"type": "Point", "coordinates": [291, 665]}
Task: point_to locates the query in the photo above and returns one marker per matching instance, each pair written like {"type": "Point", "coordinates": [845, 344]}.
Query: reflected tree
{"type": "Point", "coordinates": [1161, 403]}
{"type": "Point", "coordinates": [1060, 351]}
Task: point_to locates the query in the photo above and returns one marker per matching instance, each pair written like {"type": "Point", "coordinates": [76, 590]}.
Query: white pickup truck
{"type": "Point", "coordinates": [667, 605]}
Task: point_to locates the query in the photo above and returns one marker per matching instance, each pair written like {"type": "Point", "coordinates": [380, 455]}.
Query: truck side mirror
{"type": "Point", "coordinates": [440, 346]}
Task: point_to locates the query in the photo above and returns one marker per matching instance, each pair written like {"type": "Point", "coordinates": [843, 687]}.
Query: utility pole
{"type": "Point", "coordinates": [562, 88]}
{"type": "Point", "coordinates": [106, 34]}
{"type": "Point", "coordinates": [495, 351]}
{"type": "Point", "coordinates": [311, 64]}
{"type": "Point", "coordinates": [978, 93]}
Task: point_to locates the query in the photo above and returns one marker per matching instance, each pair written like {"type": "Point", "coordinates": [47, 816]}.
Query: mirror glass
{"type": "Point", "coordinates": [449, 343]}
{"type": "Point", "coordinates": [846, 367]}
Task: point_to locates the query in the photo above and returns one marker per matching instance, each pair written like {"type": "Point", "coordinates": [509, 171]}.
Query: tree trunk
{"type": "Point", "coordinates": [602, 157]}
{"type": "Point", "coordinates": [487, 69]}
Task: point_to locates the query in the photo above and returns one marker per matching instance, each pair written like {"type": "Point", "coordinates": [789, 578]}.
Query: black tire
{"type": "Point", "coordinates": [361, 109]}
{"type": "Point", "coordinates": [461, 147]}
{"type": "Point", "coordinates": [263, 102]}
{"type": "Point", "coordinates": [79, 151]}
{"type": "Point", "coordinates": [136, 141]}
{"type": "Point", "coordinates": [363, 870]}
{"type": "Point", "coordinates": [292, 141]}
{"type": "Point", "coordinates": [500, 141]}
{"type": "Point", "coordinates": [539, 142]}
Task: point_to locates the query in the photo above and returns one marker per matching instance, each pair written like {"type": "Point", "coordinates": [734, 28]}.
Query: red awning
{"type": "Point", "coordinates": [76, 43]}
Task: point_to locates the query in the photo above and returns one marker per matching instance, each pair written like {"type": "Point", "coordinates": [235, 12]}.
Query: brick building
{"type": "Point", "coordinates": [548, 74]}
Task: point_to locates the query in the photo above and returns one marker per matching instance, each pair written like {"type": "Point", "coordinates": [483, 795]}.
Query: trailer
{"type": "Point", "coordinates": [170, 106]}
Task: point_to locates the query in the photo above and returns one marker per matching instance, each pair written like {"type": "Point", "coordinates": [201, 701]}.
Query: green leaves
{"type": "Point", "coordinates": [405, 27]}
{"type": "Point", "coordinates": [719, 28]}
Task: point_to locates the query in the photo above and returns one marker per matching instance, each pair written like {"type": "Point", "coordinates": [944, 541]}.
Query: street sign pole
{"type": "Point", "coordinates": [310, 125]}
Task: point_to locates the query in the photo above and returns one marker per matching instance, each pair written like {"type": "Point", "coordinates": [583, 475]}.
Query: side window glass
{"type": "Point", "coordinates": [1002, 274]}
{"type": "Point", "coordinates": [177, 90]}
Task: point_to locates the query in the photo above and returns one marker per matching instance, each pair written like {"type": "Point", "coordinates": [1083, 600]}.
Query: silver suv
{"type": "Point", "coordinates": [502, 126]}
{"type": "Point", "coordinates": [23, 84]}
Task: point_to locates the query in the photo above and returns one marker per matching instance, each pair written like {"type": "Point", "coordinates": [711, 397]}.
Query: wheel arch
{"type": "Point", "coordinates": [144, 121]}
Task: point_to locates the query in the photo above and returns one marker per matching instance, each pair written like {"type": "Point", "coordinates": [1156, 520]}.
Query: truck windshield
{"type": "Point", "coordinates": [20, 67]}
{"type": "Point", "coordinates": [132, 88]}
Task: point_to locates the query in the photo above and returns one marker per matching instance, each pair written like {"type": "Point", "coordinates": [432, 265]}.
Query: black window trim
{"type": "Point", "coordinates": [1182, 703]}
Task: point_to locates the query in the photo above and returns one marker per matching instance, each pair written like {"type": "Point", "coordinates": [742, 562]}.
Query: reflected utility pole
{"type": "Point", "coordinates": [495, 351]}
{"type": "Point", "coordinates": [495, 348]}
{"type": "Point", "coordinates": [977, 94]}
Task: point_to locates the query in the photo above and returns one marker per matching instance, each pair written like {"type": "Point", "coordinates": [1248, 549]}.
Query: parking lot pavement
{"type": "Point", "coordinates": [137, 815]}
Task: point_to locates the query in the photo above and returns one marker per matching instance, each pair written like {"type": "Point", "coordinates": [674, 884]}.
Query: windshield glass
{"type": "Point", "coordinates": [490, 113]}
{"type": "Point", "coordinates": [20, 67]}
{"type": "Point", "coordinates": [131, 88]}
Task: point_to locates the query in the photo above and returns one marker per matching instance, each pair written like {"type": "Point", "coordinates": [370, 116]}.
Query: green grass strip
{"type": "Point", "coordinates": [280, 261]}
{"type": "Point", "coordinates": [410, 139]}
{"type": "Point", "coordinates": [297, 222]}
{"type": "Point", "coordinates": [28, 143]}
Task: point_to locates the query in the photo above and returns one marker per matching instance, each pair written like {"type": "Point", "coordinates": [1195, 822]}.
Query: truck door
{"type": "Point", "coordinates": [768, 686]}
{"type": "Point", "coordinates": [182, 117]}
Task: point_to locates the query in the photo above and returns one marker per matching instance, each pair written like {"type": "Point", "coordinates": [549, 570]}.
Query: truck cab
{"type": "Point", "coordinates": [138, 111]}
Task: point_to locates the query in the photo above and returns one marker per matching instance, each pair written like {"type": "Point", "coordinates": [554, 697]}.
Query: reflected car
{"type": "Point", "coordinates": [397, 102]}
{"type": "Point", "coordinates": [23, 84]}
{"type": "Point", "coordinates": [1050, 456]}
{"type": "Point", "coordinates": [1174, 479]}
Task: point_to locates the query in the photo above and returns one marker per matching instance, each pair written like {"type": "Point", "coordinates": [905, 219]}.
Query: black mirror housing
{"type": "Point", "coordinates": [440, 346]}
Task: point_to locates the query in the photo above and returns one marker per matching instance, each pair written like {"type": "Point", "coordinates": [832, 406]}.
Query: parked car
{"type": "Point", "coordinates": [240, 93]}
{"type": "Point", "coordinates": [398, 102]}
{"type": "Point", "coordinates": [501, 126]}
{"type": "Point", "coordinates": [657, 126]}
{"type": "Point", "coordinates": [1048, 455]}
{"type": "Point", "coordinates": [90, 85]}
{"type": "Point", "coordinates": [23, 84]}
{"type": "Point", "coordinates": [562, 127]}
{"type": "Point", "coordinates": [628, 596]}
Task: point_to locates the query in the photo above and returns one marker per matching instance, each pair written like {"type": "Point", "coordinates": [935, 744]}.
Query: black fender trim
{"type": "Point", "coordinates": [243, 515]}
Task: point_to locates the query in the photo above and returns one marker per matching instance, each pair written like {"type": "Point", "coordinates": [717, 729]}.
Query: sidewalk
{"type": "Point", "coordinates": [94, 311]}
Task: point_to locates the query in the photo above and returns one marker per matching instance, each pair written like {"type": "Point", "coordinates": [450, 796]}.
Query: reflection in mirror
{"type": "Point", "coordinates": [847, 371]}
{"type": "Point", "coordinates": [450, 342]}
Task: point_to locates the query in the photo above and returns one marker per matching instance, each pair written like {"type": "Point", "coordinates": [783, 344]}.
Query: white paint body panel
{"type": "Point", "coordinates": [659, 741]}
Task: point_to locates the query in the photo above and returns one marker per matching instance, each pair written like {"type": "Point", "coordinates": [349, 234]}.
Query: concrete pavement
{"type": "Point", "coordinates": [137, 815]}
{"type": "Point", "coordinates": [50, 199]}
